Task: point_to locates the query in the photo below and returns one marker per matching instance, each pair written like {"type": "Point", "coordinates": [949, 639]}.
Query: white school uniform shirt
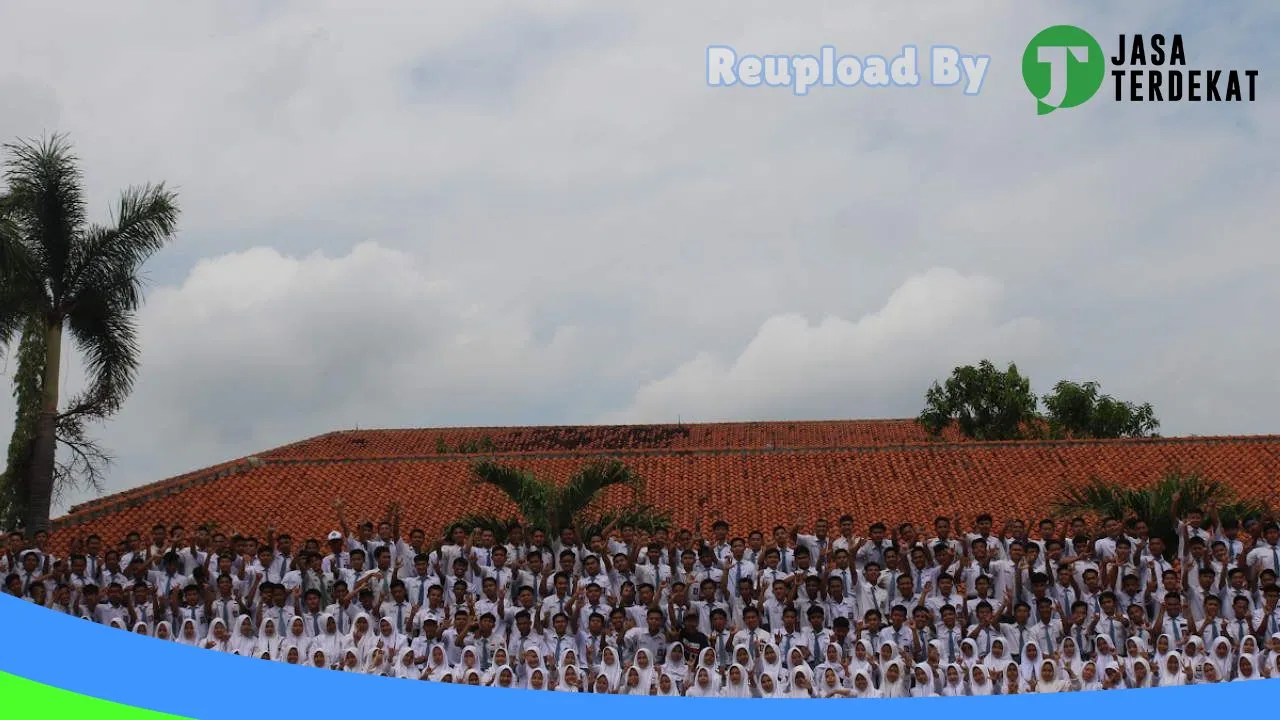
{"type": "Point", "coordinates": [937, 601]}
{"type": "Point", "coordinates": [1195, 532]}
{"type": "Point", "coordinates": [1017, 636]}
{"type": "Point", "coordinates": [1000, 572]}
{"type": "Point", "coordinates": [553, 604]}
{"type": "Point", "coordinates": [1115, 631]}
{"type": "Point", "coordinates": [814, 545]}
{"type": "Point", "coordinates": [398, 614]}
{"type": "Point", "coordinates": [588, 609]}
{"type": "Point", "coordinates": [345, 617]}
{"type": "Point", "coordinates": [995, 546]}
{"type": "Point", "coordinates": [1176, 628]}
{"type": "Point", "coordinates": [164, 583]}
{"type": "Point", "coordinates": [1047, 634]}
{"type": "Point", "coordinates": [653, 575]}
{"type": "Point", "coordinates": [554, 644]}
{"type": "Point", "coordinates": [186, 612]}
{"type": "Point", "coordinates": [344, 561]}
{"type": "Point", "coordinates": [1264, 556]}
{"type": "Point", "coordinates": [870, 552]}
{"type": "Point", "coordinates": [601, 579]}
{"type": "Point", "coordinates": [517, 643]}
{"type": "Point", "coordinates": [1228, 597]}
{"type": "Point", "coordinates": [786, 561]}
{"type": "Point", "coordinates": [225, 609]}
{"type": "Point", "coordinates": [1234, 546]}
{"type": "Point", "coordinates": [417, 588]}
{"type": "Point", "coordinates": [902, 637]}
{"type": "Point", "coordinates": [1268, 624]}
{"type": "Point", "coordinates": [638, 638]}
{"type": "Point", "coordinates": [947, 640]}
{"type": "Point", "coordinates": [741, 570]}
{"type": "Point", "coordinates": [872, 597]}
{"type": "Point", "coordinates": [1238, 628]}
{"type": "Point", "coordinates": [846, 607]}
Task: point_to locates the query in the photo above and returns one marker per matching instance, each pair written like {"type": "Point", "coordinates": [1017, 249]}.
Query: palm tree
{"type": "Point", "coordinates": [63, 276]}
{"type": "Point", "coordinates": [1157, 505]}
{"type": "Point", "coordinates": [543, 504]}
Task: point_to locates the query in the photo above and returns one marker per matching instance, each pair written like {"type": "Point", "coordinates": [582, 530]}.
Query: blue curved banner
{"type": "Point", "coordinates": [151, 678]}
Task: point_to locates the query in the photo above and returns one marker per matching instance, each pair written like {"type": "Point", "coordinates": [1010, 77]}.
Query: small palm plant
{"type": "Point", "coordinates": [1157, 505]}
{"type": "Point", "coordinates": [544, 504]}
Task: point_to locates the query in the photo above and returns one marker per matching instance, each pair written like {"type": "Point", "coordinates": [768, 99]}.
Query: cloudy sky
{"type": "Point", "coordinates": [405, 214]}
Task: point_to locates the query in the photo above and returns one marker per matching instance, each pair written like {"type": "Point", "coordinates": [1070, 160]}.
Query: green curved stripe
{"type": "Point", "coordinates": [36, 700]}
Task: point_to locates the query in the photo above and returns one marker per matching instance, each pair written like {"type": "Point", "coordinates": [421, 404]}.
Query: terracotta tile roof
{"type": "Point", "coordinates": [700, 436]}
{"type": "Point", "coordinates": [754, 487]}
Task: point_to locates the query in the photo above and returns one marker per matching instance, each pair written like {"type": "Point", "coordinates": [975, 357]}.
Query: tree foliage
{"type": "Point", "coordinates": [1172, 496]}
{"type": "Point", "coordinates": [62, 277]}
{"type": "Point", "coordinates": [986, 403]}
{"type": "Point", "coordinates": [1080, 410]}
{"type": "Point", "coordinates": [544, 504]}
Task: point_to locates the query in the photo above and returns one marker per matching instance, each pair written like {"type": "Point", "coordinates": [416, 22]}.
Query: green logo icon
{"type": "Point", "coordinates": [1063, 67]}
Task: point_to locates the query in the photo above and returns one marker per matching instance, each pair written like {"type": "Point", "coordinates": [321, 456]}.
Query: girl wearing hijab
{"type": "Point", "coordinates": [187, 633]}
{"type": "Point", "coordinates": [922, 682]}
{"type": "Point", "coordinates": [297, 634]}
{"type": "Point", "coordinates": [770, 663]}
{"type": "Point", "coordinates": [863, 687]}
{"type": "Point", "coordinates": [702, 685]}
{"type": "Point", "coordinates": [979, 682]}
{"type": "Point", "coordinates": [164, 631]}
{"type": "Point", "coordinates": [675, 666]}
{"type": "Point", "coordinates": [374, 664]}
{"type": "Point", "coordinates": [329, 640]}
{"type": "Point", "coordinates": [1049, 680]}
{"type": "Point", "coordinates": [735, 683]}
{"type": "Point", "coordinates": [219, 638]}
{"type": "Point", "coordinates": [505, 678]}
{"type": "Point", "coordinates": [406, 669]}
{"type": "Point", "coordinates": [1011, 682]}
{"type": "Point", "coordinates": [472, 677]}
{"type": "Point", "coordinates": [537, 680]}
{"type": "Point", "coordinates": [570, 679]}
{"type": "Point", "coordinates": [1173, 671]}
{"type": "Point", "coordinates": [469, 661]}
{"type": "Point", "coordinates": [245, 639]}
{"type": "Point", "coordinates": [1088, 677]}
{"type": "Point", "coordinates": [351, 662]}
{"type": "Point", "coordinates": [1069, 655]}
{"type": "Point", "coordinates": [1141, 676]}
{"type": "Point", "coordinates": [631, 683]}
{"type": "Point", "coordinates": [996, 659]}
{"type": "Point", "coordinates": [769, 686]}
{"type": "Point", "coordinates": [601, 686]}
{"type": "Point", "coordinates": [1113, 678]}
{"type": "Point", "coordinates": [648, 674]}
{"type": "Point", "coordinates": [953, 682]}
{"type": "Point", "coordinates": [611, 669]}
{"type": "Point", "coordinates": [361, 638]}
{"type": "Point", "coordinates": [318, 660]}
{"type": "Point", "coordinates": [801, 682]}
{"type": "Point", "coordinates": [437, 664]}
{"type": "Point", "coordinates": [832, 662]}
{"type": "Point", "coordinates": [1221, 657]}
{"type": "Point", "coordinates": [268, 640]}
{"type": "Point", "coordinates": [893, 683]}
{"type": "Point", "coordinates": [290, 654]}
{"type": "Point", "coordinates": [1030, 667]}
{"type": "Point", "coordinates": [1244, 669]}
{"type": "Point", "coordinates": [140, 628]}
{"type": "Point", "coordinates": [1104, 653]}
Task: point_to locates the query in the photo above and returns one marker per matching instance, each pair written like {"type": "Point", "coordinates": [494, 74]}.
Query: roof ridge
{"type": "Point", "coordinates": [134, 497]}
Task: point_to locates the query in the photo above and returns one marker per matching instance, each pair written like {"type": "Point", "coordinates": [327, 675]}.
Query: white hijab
{"type": "Point", "coordinates": [242, 644]}
{"type": "Point", "coordinates": [869, 691]}
{"type": "Point", "coordinates": [798, 692]}
{"type": "Point", "coordinates": [610, 667]}
{"type": "Point", "coordinates": [1175, 678]}
{"type": "Point", "coordinates": [983, 686]}
{"type": "Point", "coordinates": [922, 688]}
{"type": "Point", "coordinates": [739, 689]}
{"type": "Point", "coordinates": [1054, 685]}
{"type": "Point", "coordinates": [697, 690]}
{"type": "Point", "coordinates": [898, 689]}
{"type": "Point", "coordinates": [268, 642]}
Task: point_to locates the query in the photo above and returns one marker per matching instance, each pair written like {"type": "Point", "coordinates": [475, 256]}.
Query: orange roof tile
{"type": "Point", "coordinates": [752, 486]}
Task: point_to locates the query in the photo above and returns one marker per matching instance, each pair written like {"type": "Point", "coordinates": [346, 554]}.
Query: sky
{"type": "Point", "coordinates": [412, 214]}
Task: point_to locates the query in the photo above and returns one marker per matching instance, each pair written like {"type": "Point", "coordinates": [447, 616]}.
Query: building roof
{"type": "Point", "coordinates": [756, 475]}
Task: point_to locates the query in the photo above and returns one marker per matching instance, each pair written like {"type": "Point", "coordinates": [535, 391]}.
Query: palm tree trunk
{"type": "Point", "coordinates": [45, 442]}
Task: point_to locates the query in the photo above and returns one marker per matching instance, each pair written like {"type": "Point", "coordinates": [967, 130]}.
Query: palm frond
{"type": "Point", "coordinates": [492, 523]}
{"type": "Point", "coordinates": [641, 516]}
{"type": "Point", "coordinates": [533, 497]}
{"type": "Point", "coordinates": [586, 485]}
{"type": "Point", "coordinates": [145, 221]}
{"type": "Point", "coordinates": [102, 326]}
{"type": "Point", "coordinates": [1174, 494]}
{"type": "Point", "coordinates": [47, 202]}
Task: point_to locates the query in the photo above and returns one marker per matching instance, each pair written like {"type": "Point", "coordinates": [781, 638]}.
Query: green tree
{"type": "Point", "coordinates": [62, 276]}
{"type": "Point", "coordinates": [544, 504]}
{"type": "Point", "coordinates": [1158, 504]}
{"type": "Point", "coordinates": [1080, 410]}
{"type": "Point", "coordinates": [984, 402]}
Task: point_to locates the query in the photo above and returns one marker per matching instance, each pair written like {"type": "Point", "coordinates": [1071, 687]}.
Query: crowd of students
{"type": "Point", "coordinates": [795, 612]}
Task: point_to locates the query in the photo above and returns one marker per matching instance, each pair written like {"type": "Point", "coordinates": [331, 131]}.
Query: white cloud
{"type": "Point", "coordinates": [838, 368]}
{"type": "Point", "coordinates": [439, 213]}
